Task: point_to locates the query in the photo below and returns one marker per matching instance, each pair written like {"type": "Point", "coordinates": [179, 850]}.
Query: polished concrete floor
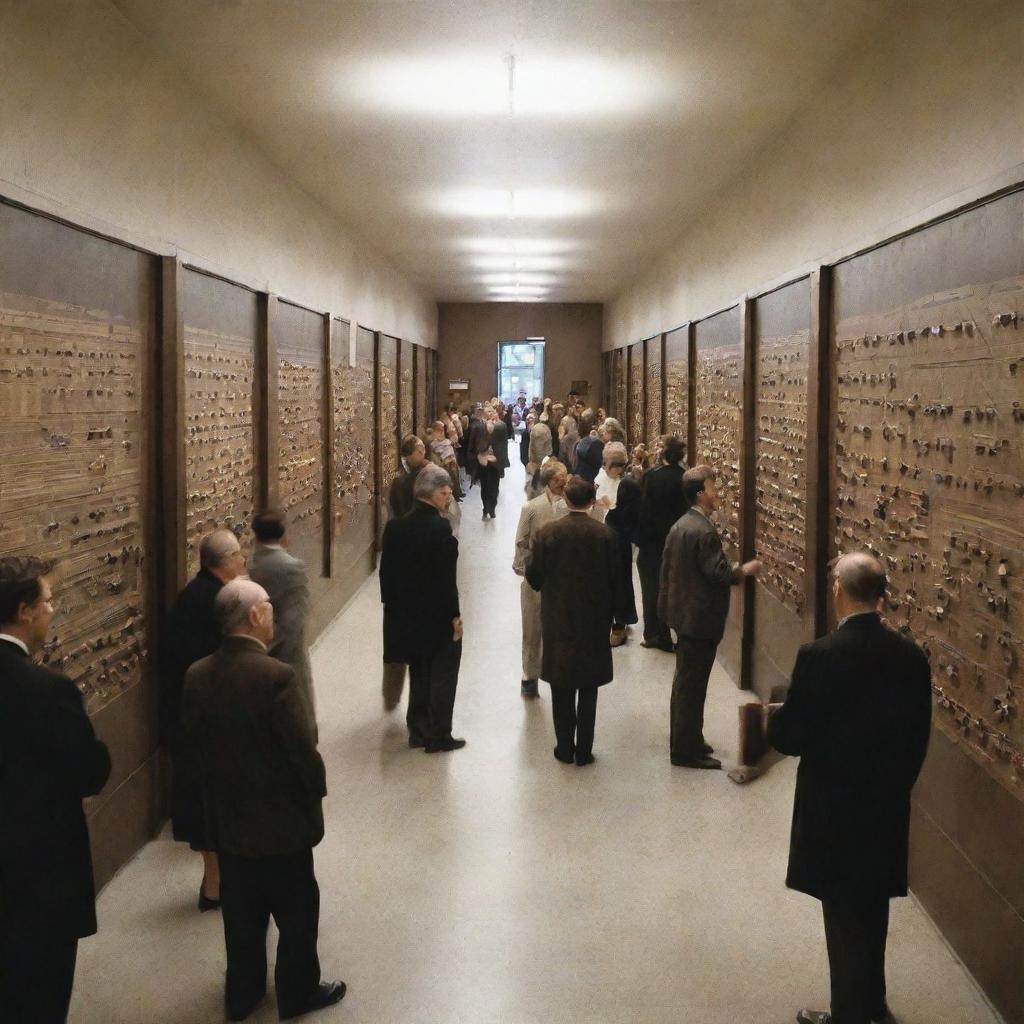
{"type": "Point", "coordinates": [495, 884]}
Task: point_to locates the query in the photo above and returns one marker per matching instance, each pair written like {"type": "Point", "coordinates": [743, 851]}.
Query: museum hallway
{"type": "Point", "coordinates": [496, 885]}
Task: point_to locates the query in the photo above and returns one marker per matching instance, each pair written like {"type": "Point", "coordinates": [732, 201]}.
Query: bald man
{"type": "Point", "coordinates": [193, 633]}
{"type": "Point", "coordinates": [858, 716]}
{"type": "Point", "coordinates": [250, 738]}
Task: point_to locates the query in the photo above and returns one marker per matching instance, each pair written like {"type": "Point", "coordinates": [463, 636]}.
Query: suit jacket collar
{"type": "Point", "coordinates": [423, 508]}
{"type": "Point", "coordinates": [234, 644]}
{"type": "Point", "coordinates": [860, 620]}
{"type": "Point", "coordinates": [15, 644]}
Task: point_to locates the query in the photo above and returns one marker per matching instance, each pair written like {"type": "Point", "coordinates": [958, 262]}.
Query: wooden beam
{"type": "Point", "coordinates": [265, 412]}
{"type": "Point", "coordinates": [691, 394]}
{"type": "Point", "coordinates": [327, 445]}
{"type": "Point", "coordinates": [820, 482]}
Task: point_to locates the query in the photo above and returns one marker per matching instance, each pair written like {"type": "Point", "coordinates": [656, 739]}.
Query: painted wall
{"type": "Point", "coordinates": [934, 108]}
{"type": "Point", "coordinates": [469, 332]}
{"type": "Point", "coordinates": [98, 127]}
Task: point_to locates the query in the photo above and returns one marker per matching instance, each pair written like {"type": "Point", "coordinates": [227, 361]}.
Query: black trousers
{"type": "Point", "coordinates": [856, 928]}
{"type": "Point", "coordinates": [490, 482]}
{"type": "Point", "coordinates": [433, 680]}
{"type": "Point", "coordinates": [251, 890]}
{"type": "Point", "coordinates": [574, 713]}
{"type": "Point", "coordinates": [694, 661]}
{"type": "Point", "coordinates": [648, 565]}
{"type": "Point", "coordinates": [37, 972]}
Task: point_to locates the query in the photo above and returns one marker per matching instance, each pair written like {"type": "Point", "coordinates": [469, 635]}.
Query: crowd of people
{"type": "Point", "coordinates": [238, 714]}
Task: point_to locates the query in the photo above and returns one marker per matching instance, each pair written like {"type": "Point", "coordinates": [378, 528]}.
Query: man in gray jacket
{"type": "Point", "coordinates": [693, 599]}
{"type": "Point", "coordinates": [283, 577]}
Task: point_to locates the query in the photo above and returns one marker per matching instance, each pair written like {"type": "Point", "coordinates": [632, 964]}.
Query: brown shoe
{"type": "Point", "coordinates": [617, 638]}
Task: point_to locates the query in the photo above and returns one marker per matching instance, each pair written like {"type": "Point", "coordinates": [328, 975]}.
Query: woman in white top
{"type": "Point", "coordinates": [614, 462]}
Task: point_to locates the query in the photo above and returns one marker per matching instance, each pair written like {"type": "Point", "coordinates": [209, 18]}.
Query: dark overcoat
{"type": "Point", "coordinates": [574, 564]}
{"type": "Point", "coordinates": [662, 505]}
{"type": "Point", "coordinates": [50, 759]}
{"type": "Point", "coordinates": [857, 715]}
{"type": "Point", "coordinates": [247, 733]}
{"type": "Point", "coordinates": [400, 497]}
{"type": "Point", "coordinates": [622, 520]}
{"type": "Point", "coordinates": [418, 583]}
{"type": "Point", "coordinates": [499, 443]}
{"type": "Point", "coordinates": [193, 633]}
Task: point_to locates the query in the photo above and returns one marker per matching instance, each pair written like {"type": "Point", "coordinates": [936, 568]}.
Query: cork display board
{"type": "Point", "coordinates": [386, 400]}
{"type": "Point", "coordinates": [220, 327]}
{"type": "Point", "coordinates": [635, 416]}
{"type": "Point", "coordinates": [74, 344]}
{"type": "Point", "coordinates": [406, 390]}
{"type": "Point", "coordinates": [929, 460]}
{"type": "Point", "coordinates": [620, 388]}
{"type": "Point", "coordinates": [354, 418]}
{"type": "Point", "coordinates": [654, 384]}
{"type": "Point", "coordinates": [423, 413]}
{"type": "Point", "coordinates": [719, 415]}
{"type": "Point", "coordinates": [299, 347]}
{"type": "Point", "coordinates": [677, 383]}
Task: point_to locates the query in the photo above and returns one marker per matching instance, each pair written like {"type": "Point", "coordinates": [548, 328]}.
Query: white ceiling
{"type": "Point", "coordinates": [624, 118]}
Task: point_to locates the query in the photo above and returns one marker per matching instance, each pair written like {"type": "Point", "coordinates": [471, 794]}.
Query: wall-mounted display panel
{"type": "Point", "coordinates": [76, 335]}
{"type": "Point", "coordinates": [386, 400]}
{"type": "Point", "coordinates": [423, 413]}
{"type": "Point", "coordinates": [620, 387]}
{"type": "Point", "coordinates": [654, 385]}
{"type": "Point", "coordinates": [782, 618]}
{"type": "Point", "coordinates": [406, 389]}
{"type": "Point", "coordinates": [607, 378]}
{"type": "Point", "coordinates": [677, 384]}
{"type": "Point", "coordinates": [433, 392]}
{"type": "Point", "coordinates": [929, 460]}
{"type": "Point", "coordinates": [220, 328]}
{"type": "Point", "coordinates": [299, 347]}
{"type": "Point", "coordinates": [636, 394]}
{"type": "Point", "coordinates": [354, 452]}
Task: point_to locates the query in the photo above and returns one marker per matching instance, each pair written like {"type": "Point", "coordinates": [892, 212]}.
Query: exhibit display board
{"type": "Point", "coordinates": [387, 425]}
{"type": "Point", "coordinates": [406, 390]}
{"type": "Point", "coordinates": [677, 386]}
{"type": "Point", "coordinates": [299, 347]}
{"type": "Point", "coordinates": [929, 459]}
{"type": "Point", "coordinates": [220, 331]}
{"type": "Point", "coordinates": [620, 386]}
{"type": "Point", "coordinates": [635, 421]}
{"type": "Point", "coordinates": [783, 618]}
{"type": "Point", "coordinates": [76, 339]}
{"type": "Point", "coordinates": [423, 415]}
{"type": "Point", "coordinates": [654, 399]}
{"type": "Point", "coordinates": [354, 447]}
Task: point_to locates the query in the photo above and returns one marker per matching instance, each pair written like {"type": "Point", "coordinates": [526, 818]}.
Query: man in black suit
{"type": "Point", "coordinates": [422, 622]}
{"type": "Point", "coordinates": [414, 455]}
{"type": "Point", "coordinates": [49, 760]}
{"type": "Point", "coordinates": [662, 504]}
{"type": "Point", "coordinates": [696, 579]}
{"type": "Point", "coordinates": [575, 557]}
{"type": "Point", "coordinates": [247, 729]}
{"type": "Point", "coordinates": [192, 633]}
{"type": "Point", "coordinates": [857, 715]}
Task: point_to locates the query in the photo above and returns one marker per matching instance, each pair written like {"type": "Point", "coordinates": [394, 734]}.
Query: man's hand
{"type": "Point", "coordinates": [751, 568]}
{"type": "Point", "coordinates": [456, 629]}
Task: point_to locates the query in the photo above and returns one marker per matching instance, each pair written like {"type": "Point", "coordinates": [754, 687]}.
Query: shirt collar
{"type": "Point", "coordinates": [696, 508]}
{"type": "Point", "coordinates": [18, 643]}
{"type": "Point", "coordinates": [853, 615]}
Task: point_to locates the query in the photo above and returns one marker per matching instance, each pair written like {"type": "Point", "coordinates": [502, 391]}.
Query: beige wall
{"type": "Point", "coordinates": [97, 127]}
{"type": "Point", "coordinates": [935, 108]}
{"type": "Point", "coordinates": [469, 332]}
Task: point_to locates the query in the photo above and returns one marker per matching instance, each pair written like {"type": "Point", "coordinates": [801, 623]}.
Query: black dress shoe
{"type": "Point", "coordinates": [327, 994]}
{"type": "Point", "coordinates": [417, 741]}
{"type": "Point", "coordinates": [708, 749]}
{"type": "Point", "coordinates": [564, 758]}
{"type": "Point", "coordinates": [584, 759]}
{"type": "Point", "coordinates": [658, 645]}
{"type": "Point", "coordinates": [206, 903]}
{"type": "Point", "coordinates": [697, 762]}
{"type": "Point", "coordinates": [443, 746]}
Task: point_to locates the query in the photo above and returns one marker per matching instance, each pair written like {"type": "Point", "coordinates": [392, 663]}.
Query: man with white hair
{"type": "Point", "coordinates": [547, 506]}
{"type": "Point", "coordinates": [249, 737]}
{"type": "Point", "coordinates": [858, 716]}
{"type": "Point", "coordinates": [422, 622]}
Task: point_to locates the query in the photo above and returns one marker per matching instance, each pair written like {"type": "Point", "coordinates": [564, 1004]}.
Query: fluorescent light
{"type": "Point", "coordinates": [498, 244]}
{"type": "Point", "coordinates": [495, 84]}
{"type": "Point", "coordinates": [514, 263]}
{"type": "Point", "coordinates": [514, 204]}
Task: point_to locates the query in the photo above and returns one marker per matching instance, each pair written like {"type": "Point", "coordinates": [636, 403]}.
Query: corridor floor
{"type": "Point", "coordinates": [494, 884]}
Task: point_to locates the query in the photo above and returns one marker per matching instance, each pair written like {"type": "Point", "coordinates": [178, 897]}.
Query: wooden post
{"type": "Point", "coordinates": [748, 487]}
{"type": "Point", "coordinates": [819, 449]}
{"type": "Point", "coordinates": [169, 496]}
{"type": "Point", "coordinates": [265, 415]}
{"type": "Point", "coordinates": [327, 446]}
{"type": "Point", "coordinates": [691, 394]}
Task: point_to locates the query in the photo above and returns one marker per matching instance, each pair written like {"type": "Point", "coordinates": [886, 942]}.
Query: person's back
{"type": "Point", "coordinates": [589, 456]}
{"type": "Point", "coordinates": [662, 506]}
{"type": "Point", "coordinates": [247, 725]}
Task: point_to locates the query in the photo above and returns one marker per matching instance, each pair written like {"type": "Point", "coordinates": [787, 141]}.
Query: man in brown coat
{"type": "Point", "coordinates": [693, 599]}
{"type": "Point", "coordinates": [572, 556]}
{"type": "Point", "coordinates": [248, 735]}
